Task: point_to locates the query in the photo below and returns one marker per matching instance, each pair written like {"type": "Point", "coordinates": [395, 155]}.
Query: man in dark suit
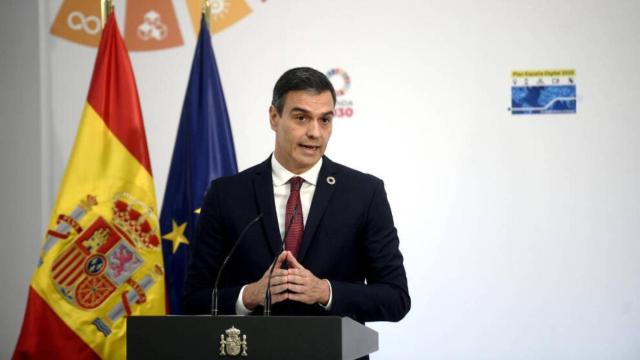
{"type": "Point", "coordinates": [341, 252]}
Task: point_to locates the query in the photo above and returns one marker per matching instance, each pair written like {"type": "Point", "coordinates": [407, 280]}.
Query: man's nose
{"type": "Point", "coordinates": [313, 129]}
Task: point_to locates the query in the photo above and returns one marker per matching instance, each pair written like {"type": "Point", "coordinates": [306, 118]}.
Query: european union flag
{"type": "Point", "coordinates": [203, 151]}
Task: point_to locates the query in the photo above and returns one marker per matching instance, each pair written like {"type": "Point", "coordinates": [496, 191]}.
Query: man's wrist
{"type": "Point", "coordinates": [327, 299]}
{"type": "Point", "coordinates": [247, 300]}
{"type": "Point", "coordinates": [241, 309]}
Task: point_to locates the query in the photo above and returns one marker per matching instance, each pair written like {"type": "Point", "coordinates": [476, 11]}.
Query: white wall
{"type": "Point", "coordinates": [21, 200]}
{"type": "Point", "coordinates": [519, 233]}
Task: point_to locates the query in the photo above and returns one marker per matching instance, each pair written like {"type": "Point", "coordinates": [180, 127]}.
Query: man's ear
{"type": "Point", "coordinates": [273, 117]}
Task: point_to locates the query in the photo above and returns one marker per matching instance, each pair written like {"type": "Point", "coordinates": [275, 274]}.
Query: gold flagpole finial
{"type": "Point", "coordinates": [206, 12]}
{"type": "Point", "coordinates": [106, 7]}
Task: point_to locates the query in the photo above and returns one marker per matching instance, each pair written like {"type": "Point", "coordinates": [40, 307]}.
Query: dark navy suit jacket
{"type": "Point", "coordinates": [349, 239]}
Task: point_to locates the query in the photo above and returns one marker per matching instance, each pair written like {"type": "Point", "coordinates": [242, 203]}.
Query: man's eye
{"type": "Point", "coordinates": [300, 117]}
{"type": "Point", "coordinates": [326, 120]}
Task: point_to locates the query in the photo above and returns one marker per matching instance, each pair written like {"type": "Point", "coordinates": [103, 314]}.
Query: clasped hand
{"type": "Point", "coordinates": [295, 283]}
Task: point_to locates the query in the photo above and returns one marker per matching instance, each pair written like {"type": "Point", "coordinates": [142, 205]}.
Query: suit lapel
{"type": "Point", "coordinates": [263, 187]}
{"type": "Point", "coordinates": [319, 204]}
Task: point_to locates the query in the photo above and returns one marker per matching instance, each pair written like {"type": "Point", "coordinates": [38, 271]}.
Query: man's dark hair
{"type": "Point", "coordinates": [301, 78]}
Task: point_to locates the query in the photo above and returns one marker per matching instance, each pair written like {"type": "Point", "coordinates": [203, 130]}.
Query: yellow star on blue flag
{"type": "Point", "coordinates": [177, 235]}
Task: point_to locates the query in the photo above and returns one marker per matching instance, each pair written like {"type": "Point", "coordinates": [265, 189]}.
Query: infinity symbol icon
{"type": "Point", "coordinates": [79, 21]}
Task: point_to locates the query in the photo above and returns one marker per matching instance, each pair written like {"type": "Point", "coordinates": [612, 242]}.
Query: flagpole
{"type": "Point", "coordinates": [206, 12]}
{"type": "Point", "coordinates": [106, 7]}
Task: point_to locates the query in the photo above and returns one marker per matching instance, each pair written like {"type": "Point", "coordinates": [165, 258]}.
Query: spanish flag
{"type": "Point", "coordinates": [101, 258]}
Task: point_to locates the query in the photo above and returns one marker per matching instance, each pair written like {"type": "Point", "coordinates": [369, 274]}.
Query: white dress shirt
{"type": "Point", "coordinates": [281, 191]}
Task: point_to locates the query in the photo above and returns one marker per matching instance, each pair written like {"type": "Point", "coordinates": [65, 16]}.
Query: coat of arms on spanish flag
{"type": "Point", "coordinates": [101, 258]}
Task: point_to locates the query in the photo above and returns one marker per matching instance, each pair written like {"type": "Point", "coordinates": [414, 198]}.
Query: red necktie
{"type": "Point", "coordinates": [296, 230]}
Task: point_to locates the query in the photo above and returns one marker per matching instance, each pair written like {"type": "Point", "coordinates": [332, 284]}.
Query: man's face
{"type": "Point", "coordinates": [303, 130]}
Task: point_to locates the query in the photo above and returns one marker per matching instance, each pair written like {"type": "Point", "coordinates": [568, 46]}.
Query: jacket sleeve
{"type": "Point", "coordinates": [385, 296]}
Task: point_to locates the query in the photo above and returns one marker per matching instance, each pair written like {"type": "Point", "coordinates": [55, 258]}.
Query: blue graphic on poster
{"type": "Point", "coordinates": [543, 99]}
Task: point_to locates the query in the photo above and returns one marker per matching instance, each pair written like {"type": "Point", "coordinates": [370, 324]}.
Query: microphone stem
{"type": "Point", "coordinates": [214, 294]}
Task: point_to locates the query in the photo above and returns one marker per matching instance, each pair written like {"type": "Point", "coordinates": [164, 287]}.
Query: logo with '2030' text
{"type": "Point", "coordinates": [342, 83]}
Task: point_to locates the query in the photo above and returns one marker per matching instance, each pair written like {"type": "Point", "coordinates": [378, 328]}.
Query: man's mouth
{"type": "Point", "coordinates": [310, 147]}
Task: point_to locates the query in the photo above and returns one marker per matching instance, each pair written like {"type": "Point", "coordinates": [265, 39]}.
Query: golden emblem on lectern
{"type": "Point", "coordinates": [232, 345]}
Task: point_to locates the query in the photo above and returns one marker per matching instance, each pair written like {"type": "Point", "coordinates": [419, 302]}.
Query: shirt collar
{"type": "Point", "coordinates": [281, 175]}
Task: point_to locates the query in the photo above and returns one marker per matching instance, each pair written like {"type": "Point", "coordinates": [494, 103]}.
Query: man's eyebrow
{"type": "Point", "coordinates": [299, 109]}
{"type": "Point", "coordinates": [305, 111]}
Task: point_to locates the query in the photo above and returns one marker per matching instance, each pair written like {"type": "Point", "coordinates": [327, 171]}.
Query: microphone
{"type": "Point", "coordinates": [214, 294]}
{"type": "Point", "coordinates": [267, 295]}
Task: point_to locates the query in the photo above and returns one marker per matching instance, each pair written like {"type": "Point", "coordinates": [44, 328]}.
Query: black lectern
{"type": "Point", "coordinates": [248, 337]}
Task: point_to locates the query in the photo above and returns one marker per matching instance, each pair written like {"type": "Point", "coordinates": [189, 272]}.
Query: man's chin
{"type": "Point", "coordinates": [306, 162]}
